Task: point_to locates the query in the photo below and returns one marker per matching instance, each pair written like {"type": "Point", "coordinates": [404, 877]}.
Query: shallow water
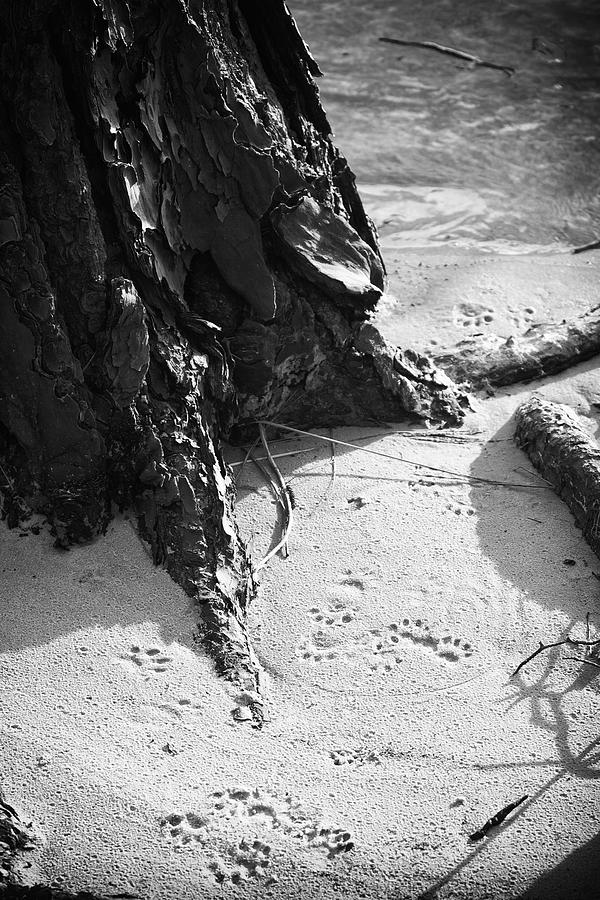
{"type": "Point", "coordinates": [445, 152]}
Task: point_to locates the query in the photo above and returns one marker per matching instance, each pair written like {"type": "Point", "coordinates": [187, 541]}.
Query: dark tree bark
{"type": "Point", "coordinates": [183, 251]}
{"type": "Point", "coordinates": [567, 456]}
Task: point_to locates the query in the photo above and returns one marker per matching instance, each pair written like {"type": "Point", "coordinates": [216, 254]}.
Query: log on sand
{"type": "Point", "coordinates": [489, 361]}
{"type": "Point", "coordinates": [561, 448]}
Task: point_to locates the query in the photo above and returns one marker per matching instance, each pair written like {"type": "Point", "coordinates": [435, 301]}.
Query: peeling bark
{"type": "Point", "coordinates": [545, 349]}
{"type": "Point", "coordinates": [182, 251]}
{"type": "Point", "coordinates": [561, 448]}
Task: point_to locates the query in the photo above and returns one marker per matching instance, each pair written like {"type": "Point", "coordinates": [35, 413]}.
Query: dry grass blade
{"type": "Point", "coordinates": [412, 462]}
{"type": "Point", "coordinates": [285, 501]}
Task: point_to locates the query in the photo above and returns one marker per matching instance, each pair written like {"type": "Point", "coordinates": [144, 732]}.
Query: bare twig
{"type": "Point", "coordinates": [332, 446]}
{"type": "Point", "coordinates": [594, 245]}
{"type": "Point", "coordinates": [570, 642]}
{"type": "Point", "coordinates": [412, 462]}
{"type": "Point", "coordinates": [584, 659]}
{"type": "Point", "coordinates": [497, 819]}
{"type": "Point", "coordinates": [9, 481]}
{"type": "Point", "coordinates": [450, 51]}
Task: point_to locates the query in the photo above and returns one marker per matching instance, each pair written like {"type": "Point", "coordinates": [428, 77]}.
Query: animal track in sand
{"type": "Point", "coordinates": [250, 856]}
{"type": "Point", "coordinates": [245, 860]}
{"type": "Point", "coordinates": [521, 317]}
{"type": "Point", "coordinates": [285, 814]}
{"type": "Point", "coordinates": [447, 647]}
{"type": "Point", "coordinates": [473, 315]}
{"type": "Point", "coordinates": [458, 508]}
{"type": "Point", "coordinates": [336, 613]}
{"type": "Point", "coordinates": [151, 661]}
{"type": "Point", "coordinates": [355, 758]}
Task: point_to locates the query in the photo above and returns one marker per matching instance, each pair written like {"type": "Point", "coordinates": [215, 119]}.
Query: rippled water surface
{"type": "Point", "coordinates": [447, 152]}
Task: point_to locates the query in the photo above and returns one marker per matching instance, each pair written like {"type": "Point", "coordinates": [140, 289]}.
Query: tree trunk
{"type": "Point", "coordinates": [183, 252]}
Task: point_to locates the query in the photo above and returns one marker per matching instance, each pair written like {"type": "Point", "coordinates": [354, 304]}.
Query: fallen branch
{"type": "Point", "coordinates": [491, 361]}
{"type": "Point", "coordinates": [497, 819]}
{"type": "Point", "coordinates": [569, 641]}
{"type": "Point", "coordinates": [450, 51]}
{"type": "Point", "coordinates": [567, 456]}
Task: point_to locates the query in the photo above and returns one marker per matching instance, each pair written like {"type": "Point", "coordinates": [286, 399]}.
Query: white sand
{"type": "Point", "coordinates": [388, 636]}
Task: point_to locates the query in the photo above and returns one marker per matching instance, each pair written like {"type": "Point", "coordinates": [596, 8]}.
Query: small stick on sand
{"type": "Point", "coordinates": [450, 51]}
{"type": "Point", "coordinates": [497, 819]}
{"type": "Point", "coordinates": [332, 446]}
{"type": "Point", "coordinates": [593, 246]}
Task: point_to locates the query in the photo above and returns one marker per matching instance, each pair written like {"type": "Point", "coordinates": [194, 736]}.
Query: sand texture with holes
{"type": "Point", "coordinates": [387, 638]}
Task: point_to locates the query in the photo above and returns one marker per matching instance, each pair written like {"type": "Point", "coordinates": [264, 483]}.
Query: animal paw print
{"type": "Point", "coordinates": [332, 840]}
{"type": "Point", "coordinates": [335, 614]}
{"type": "Point", "coordinates": [188, 828]}
{"type": "Point", "coordinates": [460, 508]}
{"type": "Point", "coordinates": [284, 814]}
{"type": "Point", "coordinates": [320, 646]}
{"type": "Point", "coordinates": [521, 317]}
{"type": "Point", "coordinates": [354, 757]}
{"type": "Point", "coordinates": [249, 859]}
{"type": "Point", "coordinates": [384, 647]}
{"type": "Point", "coordinates": [150, 661]}
{"type": "Point", "coordinates": [447, 647]}
{"type": "Point", "coordinates": [473, 315]}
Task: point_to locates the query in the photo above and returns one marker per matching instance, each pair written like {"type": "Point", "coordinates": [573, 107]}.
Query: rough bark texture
{"type": "Point", "coordinates": [545, 349]}
{"type": "Point", "coordinates": [16, 838]}
{"type": "Point", "coordinates": [561, 448]}
{"type": "Point", "coordinates": [182, 250]}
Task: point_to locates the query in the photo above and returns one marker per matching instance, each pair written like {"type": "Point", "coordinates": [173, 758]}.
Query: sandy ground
{"type": "Point", "coordinates": [388, 638]}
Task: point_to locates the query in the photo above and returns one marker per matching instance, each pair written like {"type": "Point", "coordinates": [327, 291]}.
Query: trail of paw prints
{"type": "Point", "coordinates": [336, 613]}
{"type": "Point", "coordinates": [355, 758]}
{"type": "Point", "coordinates": [446, 647]}
{"type": "Point", "coordinates": [459, 508]}
{"type": "Point", "coordinates": [150, 661]}
{"type": "Point", "coordinates": [285, 814]}
{"type": "Point", "coordinates": [473, 315]}
{"type": "Point", "coordinates": [250, 857]}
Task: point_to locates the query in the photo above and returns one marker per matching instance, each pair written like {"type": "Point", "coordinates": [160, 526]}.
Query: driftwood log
{"type": "Point", "coordinates": [489, 361]}
{"type": "Point", "coordinates": [561, 448]}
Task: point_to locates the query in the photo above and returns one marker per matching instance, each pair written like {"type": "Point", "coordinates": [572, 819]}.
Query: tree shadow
{"type": "Point", "coordinates": [576, 878]}
{"type": "Point", "coordinates": [110, 583]}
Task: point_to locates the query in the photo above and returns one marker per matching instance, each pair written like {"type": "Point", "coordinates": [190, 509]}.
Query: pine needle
{"type": "Point", "coordinates": [412, 462]}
